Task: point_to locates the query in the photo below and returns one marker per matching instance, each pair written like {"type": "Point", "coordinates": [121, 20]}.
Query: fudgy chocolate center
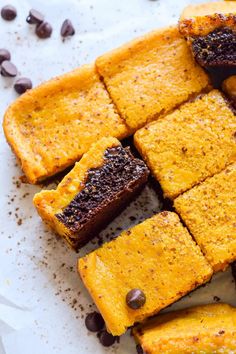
{"type": "Point", "coordinates": [218, 48]}
{"type": "Point", "coordinates": [102, 184]}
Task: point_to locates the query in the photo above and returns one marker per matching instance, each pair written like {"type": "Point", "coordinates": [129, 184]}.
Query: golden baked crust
{"type": "Point", "coordinates": [201, 19]}
{"type": "Point", "coordinates": [152, 256]}
{"type": "Point", "coordinates": [192, 143]}
{"type": "Point", "coordinates": [151, 75]}
{"type": "Point", "coordinates": [209, 211]}
{"type": "Point", "coordinates": [52, 202]}
{"type": "Point", "coordinates": [52, 126]}
{"type": "Point", "coordinates": [202, 329]}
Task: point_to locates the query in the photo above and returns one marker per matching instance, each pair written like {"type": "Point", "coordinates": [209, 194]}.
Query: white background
{"type": "Point", "coordinates": [42, 300]}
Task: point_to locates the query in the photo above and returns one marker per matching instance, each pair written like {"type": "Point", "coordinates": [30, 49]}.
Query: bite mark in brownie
{"type": "Point", "coordinates": [119, 173]}
{"type": "Point", "coordinates": [217, 48]}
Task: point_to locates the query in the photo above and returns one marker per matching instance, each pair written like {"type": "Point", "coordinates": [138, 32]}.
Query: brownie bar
{"type": "Point", "coordinates": [145, 269]}
{"type": "Point", "coordinates": [106, 190]}
{"type": "Point", "coordinates": [190, 144]}
{"type": "Point", "coordinates": [209, 212]}
{"type": "Point", "coordinates": [201, 329]}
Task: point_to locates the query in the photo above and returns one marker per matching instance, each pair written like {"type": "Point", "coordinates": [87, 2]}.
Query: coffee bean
{"type": "Point", "coordinates": [44, 30]}
{"type": "Point", "coordinates": [106, 339]}
{"type": "Point", "coordinates": [67, 29]}
{"type": "Point", "coordinates": [135, 299]}
{"type": "Point", "coordinates": [8, 12]}
{"type": "Point", "coordinates": [35, 17]}
{"type": "Point", "coordinates": [94, 322]}
{"type": "Point", "coordinates": [233, 267]}
{"type": "Point", "coordinates": [23, 84]}
{"type": "Point", "coordinates": [8, 69]}
{"type": "Point", "coordinates": [4, 55]}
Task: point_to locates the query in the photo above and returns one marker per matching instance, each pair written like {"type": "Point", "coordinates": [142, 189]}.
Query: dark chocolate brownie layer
{"type": "Point", "coordinates": [105, 190]}
{"type": "Point", "coordinates": [218, 48]}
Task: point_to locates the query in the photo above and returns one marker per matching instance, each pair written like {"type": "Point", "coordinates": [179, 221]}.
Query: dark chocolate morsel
{"type": "Point", "coordinates": [135, 299]}
{"type": "Point", "coordinates": [8, 12]}
{"type": "Point", "coordinates": [106, 339]}
{"type": "Point", "coordinates": [233, 267]}
{"type": "Point", "coordinates": [23, 84]}
{"type": "Point", "coordinates": [4, 55]}
{"type": "Point", "coordinates": [44, 30]}
{"type": "Point", "coordinates": [8, 69]}
{"type": "Point", "coordinates": [94, 322]}
{"type": "Point", "coordinates": [35, 17]}
{"type": "Point", "coordinates": [67, 29]}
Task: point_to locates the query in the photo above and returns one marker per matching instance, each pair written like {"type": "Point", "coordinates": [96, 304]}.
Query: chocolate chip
{"type": "Point", "coordinates": [8, 69]}
{"type": "Point", "coordinates": [4, 55]}
{"type": "Point", "coordinates": [67, 29]}
{"type": "Point", "coordinates": [106, 339]}
{"type": "Point", "coordinates": [44, 30]}
{"type": "Point", "coordinates": [23, 84]}
{"type": "Point", "coordinates": [35, 17]}
{"type": "Point", "coordinates": [94, 322]}
{"type": "Point", "coordinates": [135, 299]}
{"type": "Point", "coordinates": [139, 349]}
{"type": "Point", "coordinates": [233, 267]}
{"type": "Point", "coordinates": [8, 12]}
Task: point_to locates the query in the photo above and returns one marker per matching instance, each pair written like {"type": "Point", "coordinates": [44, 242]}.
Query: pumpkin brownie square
{"type": "Point", "coordinates": [210, 29]}
{"type": "Point", "coordinates": [192, 143]}
{"type": "Point", "coordinates": [100, 185]}
{"type": "Point", "coordinates": [201, 329]}
{"type": "Point", "coordinates": [151, 75]}
{"type": "Point", "coordinates": [209, 212]}
{"type": "Point", "coordinates": [156, 259]}
{"type": "Point", "coordinates": [52, 126]}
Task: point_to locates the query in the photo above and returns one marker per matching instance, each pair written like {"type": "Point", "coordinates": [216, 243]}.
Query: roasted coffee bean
{"type": "Point", "coordinates": [8, 69]}
{"type": "Point", "coordinates": [35, 17]}
{"type": "Point", "coordinates": [106, 339]}
{"type": "Point", "coordinates": [44, 30]}
{"type": "Point", "coordinates": [94, 322]}
{"type": "Point", "coordinates": [67, 29]}
{"type": "Point", "coordinates": [23, 84]}
{"type": "Point", "coordinates": [8, 12]}
{"type": "Point", "coordinates": [135, 299]}
{"type": "Point", "coordinates": [4, 55]}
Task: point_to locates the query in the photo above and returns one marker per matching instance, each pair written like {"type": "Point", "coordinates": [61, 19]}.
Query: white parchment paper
{"type": "Point", "coordinates": [42, 300]}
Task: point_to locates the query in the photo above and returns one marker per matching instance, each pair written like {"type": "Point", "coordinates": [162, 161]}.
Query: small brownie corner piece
{"type": "Point", "coordinates": [100, 185]}
{"type": "Point", "coordinates": [210, 30]}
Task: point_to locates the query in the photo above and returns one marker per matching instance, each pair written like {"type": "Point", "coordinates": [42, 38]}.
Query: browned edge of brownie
{"type": "Point", "coordinates": [107, 191]}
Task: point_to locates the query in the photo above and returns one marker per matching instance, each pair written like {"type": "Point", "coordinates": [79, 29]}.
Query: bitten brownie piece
{"type": "Point", "coordinates": [144, 270]}
{"type": "Point", "coordinates": [192, 143]}
{"type": "Point", "coordinates": [211, 31]}
{"type": "Point", "coordinates": [93, 193]}
{"type": "Point", "coordinates": [151, 75]}
{"type": "Point", "coordinates": [201, 329]}
{"type": "Point", "coordinates": [53, 125]}
{"type": "Point", "coordinates": [209, 212]}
